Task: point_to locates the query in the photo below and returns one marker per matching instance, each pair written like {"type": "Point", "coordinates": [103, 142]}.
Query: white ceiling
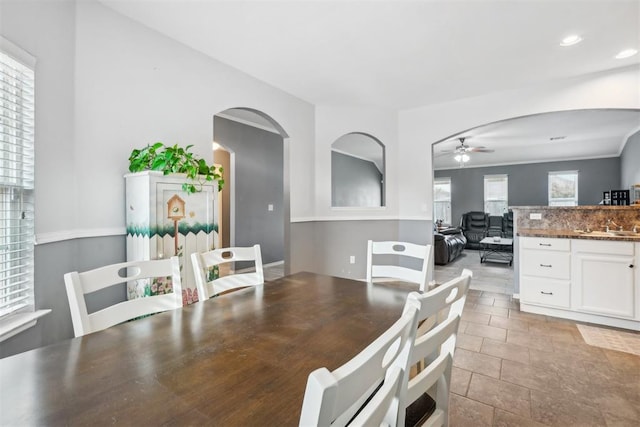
{"type": "Point", "coordinates": [400, 54]}
{"type": "Point", "coordinates": [587, 134]}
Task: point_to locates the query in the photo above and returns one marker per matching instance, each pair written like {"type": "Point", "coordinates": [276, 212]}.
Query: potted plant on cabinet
{"type": "Point", "coordinates": [175, 159]}
{"type": "Point", "coordinates": [171, 199]}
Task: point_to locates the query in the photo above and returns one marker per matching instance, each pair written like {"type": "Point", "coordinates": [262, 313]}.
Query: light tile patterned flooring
{"type": "Point", "coordinates": [521, 369]}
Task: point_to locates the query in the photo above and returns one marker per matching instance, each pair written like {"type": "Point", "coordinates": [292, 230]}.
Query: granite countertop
{"type": "Point", "coordinates": [575, 234]}
{"type": "Point", "coordinates": [579, 208]}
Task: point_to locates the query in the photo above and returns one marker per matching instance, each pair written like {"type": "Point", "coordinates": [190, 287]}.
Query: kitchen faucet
{"type": "Point", "coordinates": [610, 223]}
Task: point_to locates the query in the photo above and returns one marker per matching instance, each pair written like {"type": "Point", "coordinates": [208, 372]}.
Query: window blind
{"type": "Point", "coordinates": [496, 194]}
{"type": "Point", "coordinates": [16, 185]}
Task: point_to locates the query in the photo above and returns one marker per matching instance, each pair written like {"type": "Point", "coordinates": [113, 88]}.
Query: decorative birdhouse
{"type": "Point", "coordinates": [175, 208]}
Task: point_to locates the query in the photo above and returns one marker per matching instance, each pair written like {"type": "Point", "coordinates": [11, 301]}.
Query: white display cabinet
{"type": "Point", "coordinates": [162, 221]}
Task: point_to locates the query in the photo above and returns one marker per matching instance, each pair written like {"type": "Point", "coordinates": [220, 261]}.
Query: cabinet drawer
{"type": "Point", "coordinates": [549, 292]}
{"type": "Point", "coordinates": [545, 243]}
{"type": "Point", "coordinates": [603, 247]}
{"type": "Point", "coordinates": [554, 265]}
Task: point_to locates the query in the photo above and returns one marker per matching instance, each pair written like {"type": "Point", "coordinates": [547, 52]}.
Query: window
{"type": "Point", "coordinates": [563, 188]}
{"type": "Point", "coordinates": [496, 194]}
{"type": "Point", "coordinates": [442, 200]}
{"type": "Point", "coordinates": [16, 180]}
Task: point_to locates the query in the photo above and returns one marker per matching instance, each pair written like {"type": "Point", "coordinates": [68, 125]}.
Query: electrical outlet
{"type": "Point", "coordinates": [352, 259]}
{"type": "Point", "coordinates": [535, 216]}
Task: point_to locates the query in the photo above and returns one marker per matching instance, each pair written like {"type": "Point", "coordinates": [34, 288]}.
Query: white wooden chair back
{"type": "Point", "coordinates": [377, 411]}
{"type": "Point", "coordinates": [435, 348]}
{"type": "Point", "coordinates": [80, 284]}
{"type": "Point", "coordinates": [398, 272]}
{"type": "Point", "coordinates": [202, 263]}
{"type": "Point", "coordinates": [333, 398]}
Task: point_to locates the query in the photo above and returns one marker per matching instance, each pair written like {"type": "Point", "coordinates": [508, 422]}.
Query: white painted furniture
{"type": "Point", "coordinates": [80, 284]}
{"type": "Point", "coordinates": [333, 398]}
{"type": "Point", "coordinates": [407, 253]}
{"type": "Point", "coordinates": [164, 221]}
{"type": "Point", "coordinates": [545, 271]}
{"type": "Point", "coordinates": [435, 349]}
{"type": "Point", "coordinates": [588, 280]}
{"type": "Point", "coordinates": [203, 263]}
{"type": "Point", "coordinates": [603, 278]}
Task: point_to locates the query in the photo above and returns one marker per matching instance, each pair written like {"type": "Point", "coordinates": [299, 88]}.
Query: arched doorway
{"type": "Point", "coordinates": [255, 205]}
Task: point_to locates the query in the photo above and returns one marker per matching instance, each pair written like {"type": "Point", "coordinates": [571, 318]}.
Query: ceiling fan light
{"type": "Point", "coordinates": [571, 40]}
{"type": "Point", "coordinates": [465, 158]}
{"type": "Point", "coordinates": [457, 158]}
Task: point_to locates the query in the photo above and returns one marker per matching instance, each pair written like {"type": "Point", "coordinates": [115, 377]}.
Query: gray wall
{"type": "Point", "coordinates": [52, 261]}
{"type": "Point", "coordinates": [630, 162]}
{"type": "Point", "coordinates": [325, 246]}
{"type": "Point", "coordinates": [528, 183]}
{"type": "Point", "coordinates": [354, 182]}
{"type": "Point", "coordinates": [258, 183]}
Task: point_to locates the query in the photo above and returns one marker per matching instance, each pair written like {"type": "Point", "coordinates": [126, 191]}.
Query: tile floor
{"type": "Point", "coordinates": [521, 369]}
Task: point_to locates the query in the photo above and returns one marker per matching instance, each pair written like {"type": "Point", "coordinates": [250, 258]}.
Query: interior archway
{"type": "Point", "coordinates": [256, 203]}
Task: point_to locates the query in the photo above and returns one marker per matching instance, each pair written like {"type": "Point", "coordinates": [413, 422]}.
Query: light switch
{"type": "Point", "coordinates": [270, 207]}
{"type": "Point", "coordinates": [535, 216]}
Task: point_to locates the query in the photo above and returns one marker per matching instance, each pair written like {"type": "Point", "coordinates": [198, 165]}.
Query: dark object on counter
{"type": "Point", "coordinates": [447, 245]}
{"type": "Point", "coordinates": [619, 197]}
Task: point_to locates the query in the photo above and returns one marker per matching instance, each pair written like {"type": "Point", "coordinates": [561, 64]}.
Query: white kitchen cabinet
{"type": "Point", "coordinates": [596, 281]}
{"type": "Point", "coordinates": [545, 271]}
{"type": "Point", "coordinates": [603, 278]}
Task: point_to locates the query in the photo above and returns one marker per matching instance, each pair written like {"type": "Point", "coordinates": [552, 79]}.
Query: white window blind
{"type": "Point", "coordinates": [563, 188]}
{"type": "Point", "coordinates": [16, 184]}
{"type": "Point", "coordinates": [496, 194]}
{"type": "Point", "coordinates": [442, 199]}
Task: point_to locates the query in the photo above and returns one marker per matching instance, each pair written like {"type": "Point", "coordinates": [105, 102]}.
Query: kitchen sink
{"type": "Point", "coordinates": [613, 233]}
{"type": "Point", "coordinates": [624, 233]}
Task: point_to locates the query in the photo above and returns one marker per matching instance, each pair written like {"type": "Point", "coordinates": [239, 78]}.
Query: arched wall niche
{"type": "Point", "coordinates": [357, 171]}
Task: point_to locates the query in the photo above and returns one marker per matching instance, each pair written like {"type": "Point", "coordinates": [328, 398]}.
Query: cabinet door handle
{"type": "Point", "coordinates": [630, 265]}
{"type": "Point", "coordinates": [546, 293]}
{"type": "Point", "coordinates": [544, 244]}
{"type": "Point", "coordinates": [545, 265]}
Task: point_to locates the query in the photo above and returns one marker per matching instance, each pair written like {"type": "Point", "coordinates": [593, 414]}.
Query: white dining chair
{"type": "Point", "coordinates": [204, 262]}
{"type": "Point", "coordinates": [406, 253]}
{"type": "Point", "coordinates": [352, 394]}
{"type": "Point", "coordinates": [80, 284]}
{"type": "Point", "coordinates": [427, 395]}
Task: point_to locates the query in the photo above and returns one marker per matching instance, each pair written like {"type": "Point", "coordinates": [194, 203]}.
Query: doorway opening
{"type": "Point", "coordinates": [253, 151]}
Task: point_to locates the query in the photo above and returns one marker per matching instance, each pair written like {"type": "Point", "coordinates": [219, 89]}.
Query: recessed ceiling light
{"type": "Point", "coordinates": [626, 53]}
{"type": "Point", "coordinates": [571, 40]}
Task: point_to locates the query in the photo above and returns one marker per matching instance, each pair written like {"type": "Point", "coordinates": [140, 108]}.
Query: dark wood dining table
{"type": "Point", "coordinates": [240, 359]}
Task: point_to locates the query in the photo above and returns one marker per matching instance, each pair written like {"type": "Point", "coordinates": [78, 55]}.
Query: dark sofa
{"type": "Point", "coordinates": [477, 225]}
{"type": "Point", "coordinates": [474, 226]}
{"type": "Point", "coordinates": [447, 245]}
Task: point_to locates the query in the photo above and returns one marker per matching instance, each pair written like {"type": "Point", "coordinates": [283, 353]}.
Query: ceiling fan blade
{"type": "Point", "coordinates": [480, 150]}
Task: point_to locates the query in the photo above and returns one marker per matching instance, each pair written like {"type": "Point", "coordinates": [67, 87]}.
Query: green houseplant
{"type": "Point", "coordinates": [174, 159]}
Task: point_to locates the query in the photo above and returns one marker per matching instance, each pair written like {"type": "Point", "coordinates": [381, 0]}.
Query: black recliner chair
{"type": "Point", "coordinates": [474, 226]}
{"type": "Point", "coordinates": [507, 225]}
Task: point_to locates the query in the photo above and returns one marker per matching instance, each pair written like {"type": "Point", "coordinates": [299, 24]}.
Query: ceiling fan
{"type": "Point", "coordinates": [464, 148]}
{"type": "Point", "coordinates": [461, 152]}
